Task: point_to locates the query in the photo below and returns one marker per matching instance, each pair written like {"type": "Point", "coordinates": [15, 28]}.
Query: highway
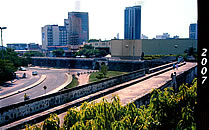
{"type": "Point", "coordinates": [54, 78]}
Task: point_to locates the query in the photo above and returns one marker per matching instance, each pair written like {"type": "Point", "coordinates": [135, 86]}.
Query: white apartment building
{"type": "Point", "coordinates": [53, 35]}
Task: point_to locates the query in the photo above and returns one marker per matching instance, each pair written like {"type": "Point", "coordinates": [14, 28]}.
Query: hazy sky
{"type": "Point", "coordinates": [24, 18]}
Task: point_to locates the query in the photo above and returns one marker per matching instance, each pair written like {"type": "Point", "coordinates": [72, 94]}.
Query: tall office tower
{"type": "Point", "coordinates": [132, 29]}
{"type": "Point", "coordinates": [53, 35]}
{"type": "Point", "coordinates": [193, 31]}
{"type": "Point", "coordinates": [77, 26]}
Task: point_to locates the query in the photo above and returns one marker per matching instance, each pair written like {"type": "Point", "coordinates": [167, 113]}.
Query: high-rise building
{"type": "Point", "coordinates": [132, 29]}
{"type": "Point", "coordinates": [53, 35]}
{"type": "Point", "coordinates": [193, 31]}
{"type": "Point", "coordinates": [77, 26]}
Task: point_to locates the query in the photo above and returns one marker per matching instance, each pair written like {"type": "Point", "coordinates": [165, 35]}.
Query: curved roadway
{"type": "Point", "coordinates": [55, 78]}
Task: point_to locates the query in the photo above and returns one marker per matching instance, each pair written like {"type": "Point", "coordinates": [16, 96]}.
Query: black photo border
{"type": "Point", "coordinates": [202, 108]}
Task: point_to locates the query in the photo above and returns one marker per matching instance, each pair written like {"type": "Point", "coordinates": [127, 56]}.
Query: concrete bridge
{"type": "Point", "coordinates": [132, 87]}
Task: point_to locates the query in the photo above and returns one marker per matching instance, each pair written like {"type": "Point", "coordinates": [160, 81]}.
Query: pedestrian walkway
{"type": "Point", "coordinates": [83, 79]}
{"type": "Point", "coordinates": [142, 88]}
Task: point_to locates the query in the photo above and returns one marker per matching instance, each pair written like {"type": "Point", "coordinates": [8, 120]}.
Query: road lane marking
{"type": "Point", "coordinates": [43, 77]}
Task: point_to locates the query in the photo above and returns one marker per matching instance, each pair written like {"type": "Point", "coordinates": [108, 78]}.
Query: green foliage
{"type": "Point", "coordinates": [90, 51]}
{"type": "Point", "coordinates": [9, 64]}
{"type": "Point", "coordinates": [103, 72]}
{"type": "Point", "coordinates": [142, 56]}
{"type": "Point", "coordinates": [96, 75]}
{"type": "Point", "coordinates": [51, 123]}
{"type": "Point", "coordinates": [33, 54]}
{"type": "Point", "coordinates": [6, 70]}
{"type": "Point", "coordinates": [58, 53]}
{"type": "Point", "coordinates": [150, 57]}
{"type": "Point", "coordinates": [34, 127]}
{"type": "Point", "coordinates": [191, 51]}
{"type": "Point", "coordinates": [12, 56]}
{"type": "Point", "coordinates": [167, 110]}
{"type": "Point", "coordinates": [93, 40]}
{"type": "Point", "coordinates": [73, 83]}
{"type": "Point", "coordinates": [174, 110]}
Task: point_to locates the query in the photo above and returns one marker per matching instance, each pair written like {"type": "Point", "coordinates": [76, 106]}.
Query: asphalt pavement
{"type": "Point", "coordinates": [54, 78]}
{"type": "Point", "coordinates": [10, 87]}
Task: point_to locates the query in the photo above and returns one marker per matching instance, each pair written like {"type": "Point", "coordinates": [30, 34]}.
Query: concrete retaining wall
{"type": "Point", "coordinates": [20, 110]}
{"type": "Point", "coordinates": [90, 63]}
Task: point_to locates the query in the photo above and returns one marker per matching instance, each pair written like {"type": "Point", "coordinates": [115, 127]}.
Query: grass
{"type": "Point", "coordinates": [73, 83]}
{"type": "Point", "coordinates": [110, 74]}
{"type": "Point", "coordinates": [150, 57]}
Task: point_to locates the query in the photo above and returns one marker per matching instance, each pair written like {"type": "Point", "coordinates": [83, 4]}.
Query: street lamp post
{"type": "Point", "coordinates": [1, 28]}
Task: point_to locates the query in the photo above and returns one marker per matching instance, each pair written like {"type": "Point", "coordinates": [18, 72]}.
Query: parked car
{"type": "Point", "coordinates": [34, 73]}
{"type": "Point", "coordinates": [22, 69]}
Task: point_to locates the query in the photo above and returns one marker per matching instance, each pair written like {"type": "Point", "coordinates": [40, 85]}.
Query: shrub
{"type": "Point", "coordinates": [167, 110]}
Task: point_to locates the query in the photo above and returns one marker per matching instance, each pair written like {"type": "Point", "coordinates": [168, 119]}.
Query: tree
{"type": "Point", "coordinates": [88, 47]}
{"type": "Point", "coordinates": [90, 51]}
{"type": "Point", "coordinates": [58, 53]}
{"type": "Point", "coordinates": [7, 70]}
{"type": "Point", "coordinates": [191, 51]}
{"type": "Point", "coordinates": [10, 63]}
{"type": "Point", "coordinates": [33, 53]}
{"type": "Point", "coordinates": [93, 40]}
{"type": "Point", "coordinates": [102, 53]}
{"type": "Point", "coordinates": [104, 70]}
{"type": "Point", "coordinates": [12, 56]}
{"type": "Point", "coordinates": [142, 56]}
{"type": "Point", "coordinates": [166, 110]}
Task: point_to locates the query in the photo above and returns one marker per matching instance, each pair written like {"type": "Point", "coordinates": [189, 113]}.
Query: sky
{"type": "Point", "coordinates": [24, 18]}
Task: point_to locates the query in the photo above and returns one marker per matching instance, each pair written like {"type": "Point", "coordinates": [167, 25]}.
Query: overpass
{"type": "Point", "coordinates": [132, 87]}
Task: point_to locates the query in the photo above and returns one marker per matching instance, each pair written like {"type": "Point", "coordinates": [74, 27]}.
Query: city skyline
{"type": "Point", "coordinates": [24, 19]}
